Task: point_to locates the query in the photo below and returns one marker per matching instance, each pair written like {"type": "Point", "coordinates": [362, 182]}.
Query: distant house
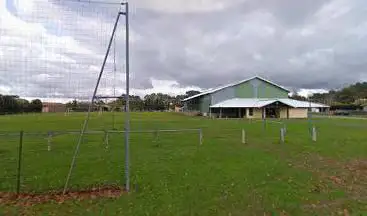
{"type": "Point", "coordinates": [315, 110]}
{"type": "Point", "coordinates": [365, 108]}
{"type": "Point", "coordinates": [104, 107]}
{"type": "Point", "coordinates": [255, 97]}
{"type": "Point", "coordinates": [178, 109]}
{"type": "Point", "coordinates": [53, 107]}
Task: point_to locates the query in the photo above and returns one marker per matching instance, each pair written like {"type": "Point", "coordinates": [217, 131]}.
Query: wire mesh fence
{"type": "Point", "coordinates": [9, 160]}
{"type": "Point", "coordinates": [37, 162]}
{"type": "Point", "coordinates": [42, 162]}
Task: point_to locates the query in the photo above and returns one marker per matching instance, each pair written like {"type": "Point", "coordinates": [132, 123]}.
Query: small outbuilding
{"type": "Point", "coordinates": [49, 107]}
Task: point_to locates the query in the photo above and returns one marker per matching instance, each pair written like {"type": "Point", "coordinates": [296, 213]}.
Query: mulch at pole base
{"type": "Point", "coordinates": [30, 199]}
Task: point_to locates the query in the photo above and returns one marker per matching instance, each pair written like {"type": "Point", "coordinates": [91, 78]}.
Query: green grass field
{"type": "Point", "coordinates": [174, 175]}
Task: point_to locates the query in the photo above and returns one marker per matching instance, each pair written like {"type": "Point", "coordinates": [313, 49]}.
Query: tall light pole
{"type": "Point", "coordinates": [94, 97]}
{"type": "Point", "coordinates": [127, 98]}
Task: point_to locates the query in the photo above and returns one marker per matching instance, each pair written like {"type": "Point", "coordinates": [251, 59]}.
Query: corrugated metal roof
{"type": "Point", "coordinates": [264, 102]}
{"type": "Point", "coordinates": [259, 102]}
{"type": "Point", "coordinates": [233, 84]}
{"type": "Point", "coordinates": [237, 102]}
{"type": "Point", "coordinates": [301, 104]}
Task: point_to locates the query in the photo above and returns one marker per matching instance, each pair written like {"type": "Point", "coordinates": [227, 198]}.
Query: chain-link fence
{"type": "Point", "coordinates": [35, 162]}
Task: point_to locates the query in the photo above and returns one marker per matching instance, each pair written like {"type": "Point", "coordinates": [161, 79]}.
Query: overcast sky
{"type": "Point", "coordinates": [54, 49]}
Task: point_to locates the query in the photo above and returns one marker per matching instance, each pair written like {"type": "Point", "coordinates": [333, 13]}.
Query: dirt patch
{"type": "Point", "coordinates": [349, 176]}
{"type": "Point", "coordinates": [359, 166]}
{"type": "Point", "coordinates": [330, 174]}
{"type": "Point", "coordinates": [30, 199]}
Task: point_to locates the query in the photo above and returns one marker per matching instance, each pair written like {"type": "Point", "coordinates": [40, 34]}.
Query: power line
{"type": "Point", "coordinates": [91, 2]}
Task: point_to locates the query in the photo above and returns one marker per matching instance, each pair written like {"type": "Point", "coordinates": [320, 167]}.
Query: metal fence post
{"type": "Point", "coordinates": [20, 154]}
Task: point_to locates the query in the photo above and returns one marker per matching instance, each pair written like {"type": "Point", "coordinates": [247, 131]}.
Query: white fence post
{"type": "Point", "coordinates": [49, 141]}
{"type": "Point", "coordinates": [314, 134]}
{"type": "Point", "coordinates": [106, 139]}
{"type": "Point", "coordinates": [285, 129]}
{"type": "Point", "coordinates": [282, 135]}
{"type": "Point", "coordinates": [201, 136]}
{"type": "Point", "coordinates": [243, 136]}
{"type": "Point", "coordinates": [155, 134]}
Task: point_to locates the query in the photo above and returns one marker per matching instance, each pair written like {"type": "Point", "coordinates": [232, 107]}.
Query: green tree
{"type": "Point", "coordinates": [9, 104]}
{"type": "Point", "coordinates": [24, 105]}
{"type": "Point", "coordinates": [73, 105]}
{"type": "Point", "coordinates": [36, 105]}
{"type": "Point", "coordinates": [192, 93]}
{"type": "Point", "coordinates": [296, 96]}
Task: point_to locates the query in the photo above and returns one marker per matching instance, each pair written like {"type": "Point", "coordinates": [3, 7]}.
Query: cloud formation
{"type": "Point", "coordinates": [55, 48]}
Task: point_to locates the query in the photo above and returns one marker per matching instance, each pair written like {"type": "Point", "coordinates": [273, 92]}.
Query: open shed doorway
{"type": "Point", "coordinates": [272, 112]}
{"type": "Point", "coordinates": [277, 110]}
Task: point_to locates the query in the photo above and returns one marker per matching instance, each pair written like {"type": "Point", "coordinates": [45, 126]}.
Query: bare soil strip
{"type": "Point", "coordinates": [30, 199]}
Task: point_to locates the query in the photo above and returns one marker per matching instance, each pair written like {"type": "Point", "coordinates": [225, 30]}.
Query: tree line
{"type": "Point", "coordinates": [150, 102]}
{"type": "Point", "coordinates": [352, 95]}
{"type": "Point", "coordinates": [13, 104]}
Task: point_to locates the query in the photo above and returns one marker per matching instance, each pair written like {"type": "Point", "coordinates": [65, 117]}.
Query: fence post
{"type": "Point", "coordinates": [49, 140]}
{"type": "Point", "coordinates": [282, 135]}
{"type": "Point", "coordinates": [20, 154]}
{"type": "Point", "coordinates": [285, 129]}
{"type": "Point", "coordinates": [201, 136]}
{"type": "Point", "coordinates": [243, 136]}
{"type": "Point", "coordinates": [264, 123]}
{"type": "Point", "coordinates": [106, 139]}
{"type": "Point", "coordinates": [314, 134]}
{"type": "Point", "coordinates": [155, 134]}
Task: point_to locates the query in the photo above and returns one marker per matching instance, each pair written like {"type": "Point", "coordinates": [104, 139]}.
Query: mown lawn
{"type": "Point", "coordinates": [172, 174]}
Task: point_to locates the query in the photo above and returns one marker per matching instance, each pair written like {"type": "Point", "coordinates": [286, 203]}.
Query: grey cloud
{"type": "Point", "coordinates": [230, 58]}
{"type": "Point", "coordinates": [286, 41]}
{"type": "Point", "coordinates": [289, 12]}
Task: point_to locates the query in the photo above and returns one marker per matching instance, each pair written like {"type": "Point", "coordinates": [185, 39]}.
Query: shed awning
{"type": "Point", "coordinates": [258, 103]}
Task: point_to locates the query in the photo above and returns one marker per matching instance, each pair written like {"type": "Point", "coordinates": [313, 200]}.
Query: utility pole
{"type": "Point", "coordinates": [94, 97]}
{"type": "Point", "coordinates": [127, 99]}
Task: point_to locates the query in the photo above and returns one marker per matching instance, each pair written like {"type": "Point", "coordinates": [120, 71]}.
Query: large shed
{"type": "Point", "coordinates": [255, 97]}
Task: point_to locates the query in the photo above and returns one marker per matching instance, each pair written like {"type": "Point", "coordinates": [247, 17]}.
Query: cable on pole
{"type": "Point", "coordinates": [91, 2]}
{"type": "Point", "coordinates": [86, 121]}
{"type": "Point", "coordinates": [114, 82]}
